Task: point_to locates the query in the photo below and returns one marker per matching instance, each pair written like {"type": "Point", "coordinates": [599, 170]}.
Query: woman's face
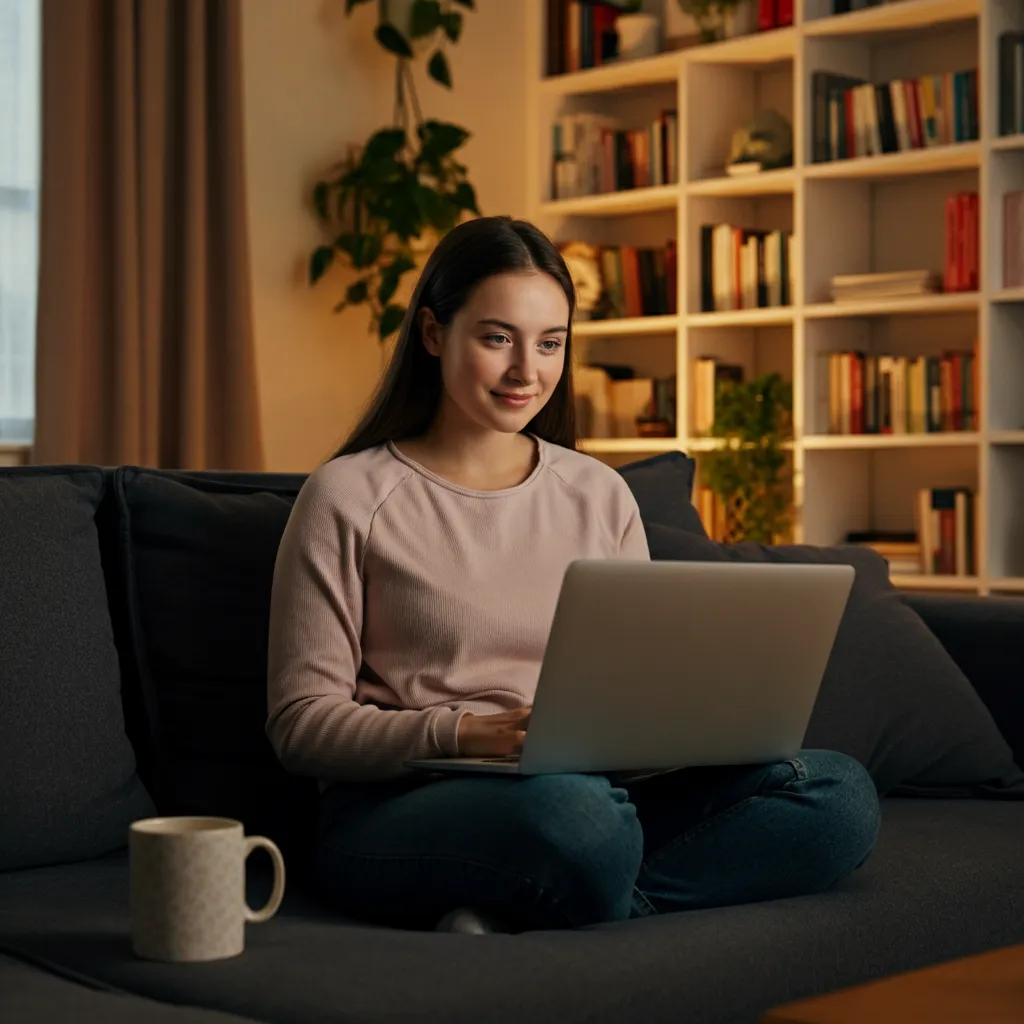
{"type": "Point", "coordinates": [504, 351]}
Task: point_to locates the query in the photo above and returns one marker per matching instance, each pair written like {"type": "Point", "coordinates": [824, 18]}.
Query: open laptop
{"type": "Point", "coordinates": [660, 665]}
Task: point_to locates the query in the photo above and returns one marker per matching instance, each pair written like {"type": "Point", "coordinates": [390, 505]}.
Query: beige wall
{"type": "Point", "coordinates": [315, 81]}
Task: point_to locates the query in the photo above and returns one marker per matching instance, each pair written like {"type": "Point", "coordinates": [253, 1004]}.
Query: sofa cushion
{"type": "Point", "coordinates": [662, 486]}
{"type": "Point", "coordinates": [891, 696]}
{"type": "Point", "coordinates": [68, 782]}
{"type": "Point", "coordinates": [198, 551]}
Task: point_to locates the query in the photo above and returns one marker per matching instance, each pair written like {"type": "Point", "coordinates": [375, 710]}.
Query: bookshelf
{"type": "Point", "coordinates": [850, 215]}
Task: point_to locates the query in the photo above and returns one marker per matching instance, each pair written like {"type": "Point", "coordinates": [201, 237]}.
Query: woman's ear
{"type": "Point", "coordinates": [430, 331]}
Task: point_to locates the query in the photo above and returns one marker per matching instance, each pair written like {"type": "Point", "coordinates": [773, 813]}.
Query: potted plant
{"type": "Point", "coordinates": [383, 204]}
{"type": "Point", "coordinates": [721, 19]}
{"type": "Point", "coordinates": [754, 421]}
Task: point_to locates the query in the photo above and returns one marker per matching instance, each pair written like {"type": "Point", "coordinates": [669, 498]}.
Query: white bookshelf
{"type": "Point", "coordinates": [850, 216]}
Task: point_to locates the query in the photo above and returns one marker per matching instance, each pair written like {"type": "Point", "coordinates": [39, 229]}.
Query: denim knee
{"type": "Point", "coordinates": [583, 843]}
{"type": "Point", "coordinates": [849, 813]}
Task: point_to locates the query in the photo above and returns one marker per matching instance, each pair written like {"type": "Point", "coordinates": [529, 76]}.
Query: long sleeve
{"type": "Point", "coordinates": [634, 538]}
{"type": "Point", "coordinates": [314, 723]}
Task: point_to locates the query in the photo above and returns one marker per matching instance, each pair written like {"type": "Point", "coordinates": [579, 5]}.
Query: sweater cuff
{"type": "Point", "coordinates": [446, 731]}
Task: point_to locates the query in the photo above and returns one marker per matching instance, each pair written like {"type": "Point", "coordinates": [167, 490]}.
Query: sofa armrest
{"type": "Point", "coordinates": [985, 637]}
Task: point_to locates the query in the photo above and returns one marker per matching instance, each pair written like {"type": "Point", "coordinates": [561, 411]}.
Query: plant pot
{"type": "Point", "coordinates": [727, 23]}
{"type": "Point", "coordinates": [639, 35]}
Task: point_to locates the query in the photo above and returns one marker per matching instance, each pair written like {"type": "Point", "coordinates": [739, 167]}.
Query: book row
{"type": "Point", "coordinates": [593, 154]}
{"type": "Point", "coordinates": [883, 394]}
{"type": "Point", "coordinates": [855, 118]}
{"type": "Point", "coordinates": [612, 402]}
{"type": "Point", "coordinates": [744, 268]}
{"type": "Point", "coordinates": [623, 280]}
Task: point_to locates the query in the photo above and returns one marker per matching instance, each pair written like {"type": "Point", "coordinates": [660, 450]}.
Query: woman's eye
{"type": "Point", "coordinates": [551, 344]}
{"type": "Point", "coordinates": [497, 339]}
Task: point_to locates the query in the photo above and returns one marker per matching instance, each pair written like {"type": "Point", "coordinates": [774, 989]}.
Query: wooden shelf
{"type": "Point", "coordinates": [625, 326]}
{"type": "Point", "coordinates": [768, 317]}
{"type": "Point", "coordinates": [907, 581]}
{"type": "Point", "coordinates": [936, 160]}
{"type": "Point", "coordinates": [1007, 143]}
{"type": "Point", "coordinates": [1009, 295]}
{"type": "Point", "coordinates": [638, 445]}
{"type": "Point", "coordinates": [759, 49]}
{"type": "Point", "coordinates": [894, 17]}
{"type": "Point", "coordinates": [1008, 584]}
{"type": "Point", "coordinates": [662, 69]}
{"type": "Point", "coordinates": [612, 204]}
{"type": "Point", "coordinates": [841, 442]}
{"type": "Point", "coordinates": [918, 305]}
{"type": "Point", "coordinates": [767, 183]}
{"type": "Point", "coordinates": [1007, 437]}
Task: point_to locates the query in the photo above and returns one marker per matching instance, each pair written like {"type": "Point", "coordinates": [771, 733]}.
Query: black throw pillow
{"type": "Point", "coordinates": [663, 486]}
{"type": "Point", "coordinates": [891, 696]}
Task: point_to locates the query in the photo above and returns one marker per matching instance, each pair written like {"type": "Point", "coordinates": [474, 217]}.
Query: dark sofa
{"type": "Point", "coordinates": [132, 634]}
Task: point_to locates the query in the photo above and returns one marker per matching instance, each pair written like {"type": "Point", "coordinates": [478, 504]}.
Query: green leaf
{"type": "Point", "coordinates": [321, 259]}
{"type": "Point", "coordinates": [390, 276]}
{"type": "Point", "coordinates": [464, 197]}
{"type": "Point", "coordinates": [357, 292]}
{"type": "Point", "coordinates": [392, 40]}
{"type": "Point", "coordinates": [438, 69]}
{"type": "Point", "coordinates": [390, 320]}
{"type": "Point", "coordinates": [439, 138]}
{"type": "Point", "coordinates": [340, 306]}
{"type": "Point", "coordinates": [383, 145]}
{"type": "Point", "coordinates": [452, 25]}
{"type": "Point", "coordinates": [321, 193]}
{"type": "Point", "coordinates": [425, 18]}
{"type": "Point", "coordinates": [350, 5]}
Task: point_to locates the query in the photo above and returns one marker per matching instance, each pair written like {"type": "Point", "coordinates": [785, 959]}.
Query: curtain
{"type": "Point", "coordinates": [144, 335]}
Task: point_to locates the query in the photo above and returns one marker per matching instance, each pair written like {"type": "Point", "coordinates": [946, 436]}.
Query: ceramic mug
{"type": "Point", "coordinates": [187, 887]}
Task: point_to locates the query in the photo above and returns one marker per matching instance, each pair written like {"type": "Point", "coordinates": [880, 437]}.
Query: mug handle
{"type": "Point", "coordinates": [269, 909]}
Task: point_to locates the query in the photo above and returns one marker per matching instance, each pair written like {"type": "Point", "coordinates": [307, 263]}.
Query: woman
{"type": "Point", "coordinates": [413, 593]}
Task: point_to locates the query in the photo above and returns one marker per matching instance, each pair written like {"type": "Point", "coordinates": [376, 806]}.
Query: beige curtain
{"type": "Point", "coordinates": [144, 338]}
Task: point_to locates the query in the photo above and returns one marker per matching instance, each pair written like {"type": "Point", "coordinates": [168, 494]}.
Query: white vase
{"type": "Point", "coordinates": [639, 35]}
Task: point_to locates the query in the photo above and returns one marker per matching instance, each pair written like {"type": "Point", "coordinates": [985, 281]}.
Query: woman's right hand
{"type": "Point", "coordinates": [498, 735]}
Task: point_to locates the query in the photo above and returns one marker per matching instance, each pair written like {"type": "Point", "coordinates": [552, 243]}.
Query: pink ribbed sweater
{"type": "Point", "coordinates": [396, 587]}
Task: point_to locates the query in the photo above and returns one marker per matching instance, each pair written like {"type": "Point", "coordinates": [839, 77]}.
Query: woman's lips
{"type": "Point", "coordinates": [514, 401]}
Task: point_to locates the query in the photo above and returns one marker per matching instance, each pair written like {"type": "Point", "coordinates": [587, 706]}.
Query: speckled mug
{"type": "Point", "coordinates": [187, 889]}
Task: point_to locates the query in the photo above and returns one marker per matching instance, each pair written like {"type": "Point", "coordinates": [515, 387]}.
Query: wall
{"type": "Point", "coordinates": [315, 82]}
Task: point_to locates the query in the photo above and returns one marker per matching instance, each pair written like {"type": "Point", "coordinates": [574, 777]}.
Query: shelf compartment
{"type": "Point", "coordinates": [661, 69]}
{"type": "Point", "coordinates": [758, 48]}
{"type": "Point", "coordinates": [849, 442]}
{"type": "Point", "coordinates": [625, 326]}
{"type": "Point", "coordinates": [640, 445]}
{"type": "Point", "coordinates": [923, 305]}
{"type": "Point", "coordinates": [894, 17]}
{"type": "Point", "coordinates": [957, 156]}
{"type": "Point", "coordinates": [767, 183]}
{"type": "Point", "coordinates": [914, 581]}
{"type": "Point", "coordinates": [612, 204]}
{"type": "Point", "coordinates": [768, 316]}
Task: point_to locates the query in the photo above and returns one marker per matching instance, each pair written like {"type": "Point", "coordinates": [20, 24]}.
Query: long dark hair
{"type": "Point", "coordinates": [409, 394]}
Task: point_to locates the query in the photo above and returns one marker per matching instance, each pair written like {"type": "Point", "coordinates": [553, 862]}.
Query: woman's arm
{"type": "Point", "coordinates": [316, 621]}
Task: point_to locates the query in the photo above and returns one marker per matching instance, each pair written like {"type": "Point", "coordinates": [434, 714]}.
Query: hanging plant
{"type": "Point", "coordinates": [406, 183]}
{"type": "Point", "coordinates": [754, 420]}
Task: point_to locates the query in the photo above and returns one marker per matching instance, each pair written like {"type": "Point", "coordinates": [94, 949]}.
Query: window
{"type": "Point", "coordinates": [20, 97]}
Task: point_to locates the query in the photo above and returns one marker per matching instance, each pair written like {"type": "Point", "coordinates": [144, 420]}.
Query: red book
{"type": "Point", "coordinates": [783, 13]}
{"type": "Point", "coordinates": [765, 15]}
{"type": "Point", "coordinates": [856, 393]}
{"type": "Point", "coordinates": [671, 273]}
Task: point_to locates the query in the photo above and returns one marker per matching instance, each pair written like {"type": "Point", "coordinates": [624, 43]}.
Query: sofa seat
{"type": "Point", "coordinates": [945, 881]}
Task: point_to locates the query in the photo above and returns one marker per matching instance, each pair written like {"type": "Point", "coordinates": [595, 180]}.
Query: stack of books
{"type": "Point", "coordinates": [901, 550]}
{"type": "Point", "coordinates": [611, 403]}
{"type": "Point", "coordinates": [898, 284]}
{"type": "Point", "coordinates": [594, 154]}
{"type": "Point", "coordinates": [854, 118]}
{"type": "Point", "coordinates": [872, 394]}
{"type": "Point", "coordinates": [744, 268]}
{"type": "Point", "coordinates": [946, 531]}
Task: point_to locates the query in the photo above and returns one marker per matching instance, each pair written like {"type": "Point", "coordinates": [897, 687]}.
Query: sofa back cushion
{"type": "Point", "coordinates": [197, 557]}
{"type": "Point", "coordinates": [68, 782]}
{"type": "Point", "coordinates": [891, 696]}
{"type": "Point", "coordinates": [663, 487]}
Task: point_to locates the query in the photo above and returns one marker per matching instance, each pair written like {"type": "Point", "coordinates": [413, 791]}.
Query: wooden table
{"type": "Point", "coordinates": [983, 989]}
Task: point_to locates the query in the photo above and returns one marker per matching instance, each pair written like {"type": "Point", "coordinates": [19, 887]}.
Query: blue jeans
{"type": "Point", "coordinates": [557, 851]}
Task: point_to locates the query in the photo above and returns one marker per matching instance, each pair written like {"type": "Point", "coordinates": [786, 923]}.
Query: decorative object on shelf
{"type": "Point", "coordinates": [584, 263]}
{"type": "Point", "coordinates": [406, 187]}
{"type": "Point", "coordinates": [764, 143]}
{"type": "Point", "coordinates": [721, 19]}
{"type": "Point", "coordinates": [639, 32]}
{"type": "Point", "coordinates": [754, 420]}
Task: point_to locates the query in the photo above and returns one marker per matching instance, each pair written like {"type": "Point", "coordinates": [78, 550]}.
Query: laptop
{"type": "Point", "coordinates": [657, 665]}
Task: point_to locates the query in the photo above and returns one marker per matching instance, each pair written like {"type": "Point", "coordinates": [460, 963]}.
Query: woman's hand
{"type": "Point", "coordinates": [493, 735]}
